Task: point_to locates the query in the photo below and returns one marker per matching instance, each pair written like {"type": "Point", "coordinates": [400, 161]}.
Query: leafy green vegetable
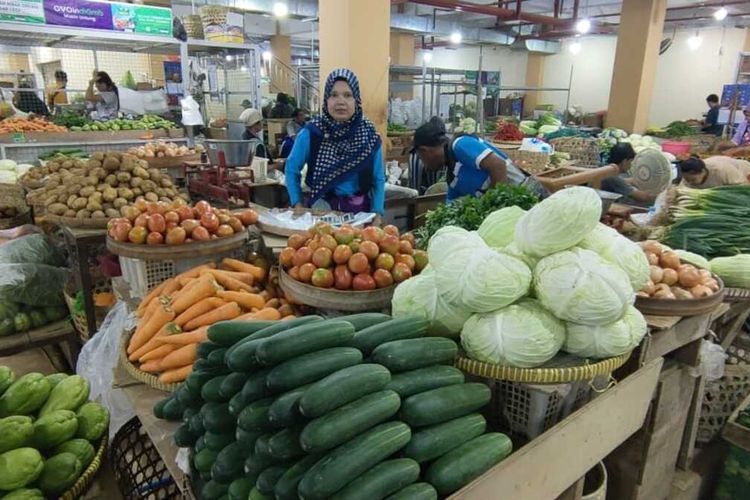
{"type": "Point", "coordinates": [606, 341]}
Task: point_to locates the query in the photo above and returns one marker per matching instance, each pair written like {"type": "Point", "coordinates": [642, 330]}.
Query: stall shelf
{"type": "Point", "coordinates": [29, 151]}
{"type": "Point", "coordinates": [60, 332]}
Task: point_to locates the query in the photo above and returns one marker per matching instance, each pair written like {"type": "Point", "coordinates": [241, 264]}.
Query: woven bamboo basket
{"type": "Point", "coordinates": [12, 195]}
{"type": "Point", "coordinates": [79, 317]}
{"type": "Point", "coordinates": [141, 376]}
{"type": "Point", "coordinates": [76, 222]}
{"type": "Point", "coordinates": [193, 25]}
{"type": "Point", "coordinates": [531, 162]}
{"type": "Point", "coordinates": [82, 484]}
{"type": "Point", "coordinates": [584, 150]}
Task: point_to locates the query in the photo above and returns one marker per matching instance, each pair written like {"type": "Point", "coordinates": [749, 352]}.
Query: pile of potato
{"type": "Point", "coordinates": [7, 212]}
{"type": "Point", "coordinates": [163, 149]}
{"type": "Point", "coordinates": [99, 187]}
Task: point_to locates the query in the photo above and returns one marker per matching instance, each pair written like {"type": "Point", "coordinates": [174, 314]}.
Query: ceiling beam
{"type": "Point", "coordinates": [491, 10]}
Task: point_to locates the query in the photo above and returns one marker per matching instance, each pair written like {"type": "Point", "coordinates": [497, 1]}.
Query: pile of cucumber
{"type": "Point", "coordinates": [361, 406]}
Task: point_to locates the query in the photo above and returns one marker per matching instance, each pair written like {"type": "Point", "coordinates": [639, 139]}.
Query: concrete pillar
{"type": "Point", "coordinates": [282, 76]}
{"type": "Point", "coordinates": [356, 35]}
{"type": "Point", "coordinates": [402, 52]}
{"type": "Point", "coordinates": [747, 40]}
{"type": "Point", "coordinates": [534, 78]}
{"type": "Point", "coordinates": [638, 40]}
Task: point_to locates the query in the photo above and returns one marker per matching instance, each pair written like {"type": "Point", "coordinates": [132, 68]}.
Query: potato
{"type": "Point", "coordinates": [101, 187]}
{"type": "Point", "coordinates": [141, 172]}
{"type": "Point", "coordinates": [126, 193]}
{"type": "Point", "coordinates": [137, 191]}
{"type": "Point", "coordinates": [166, 182]}
{"type": "Point", "coordinates": [52, 184]}
{"type": "Point", "coordinates": [53, 166]}
{"type": "Point", "coordinates": [111, 213]}
{"type": "Point", "coordinates": [148, 186]}
{"type": "Point", "coordinates": [111, 179]}
{"type": "Point", "coordinates": [69, 213]}
{"type": "Point", "coordinates": [152, 197]}
{"type": "Point", "coordinates": [83, 214]}
{"type": "Point", "coordinates": [49, 200]}
{"type": "Point", "coordinates": [171, 192]}
{"type": "Point", "coordinates": [136, 181]}
{"type": "Point", "coordinates": [87, 191]}
{"type": "Point", "coordinates": [80, 172]}
{"type": "Point", "coordinates": [110, 164]}
{"type": "Point", "coordinates": [97, 214]}
{"type": "Point", "coordinates": [160, 192]}
{"type": "Point", "coordinates": [67, 164]}
{"type": "Point", "coordinates": [93, 206]}
{"type": "Point", "coordinates": [99, 156]}
{"type": "Point", "coordinates": [63, 198]}
{"type": "Point", "coordinates": [80, 203]}
{"type": "Point", "coordinates": [92, 163]}
{"type": "Point", "coordinates": [166, 200]}
{"type": "Point", "coordinates": [91, 180]}
{"type": "Point", "coordinates": [74, 188]}
{"type": "Point", "coordinates": [80, 163]}
{"type": "Point", "coordinates": [57, 208]}
{"type": "Point", "coordinates": [123, 177]}
{"type": "Point", "coordinates": [71, 200]}
{"type": "Point", "coordinates": [155, 174]}
{"type": "Point", "coordinates": [99, 173]}
{"type": "Point", "coordinates": [119, 202]}
{"type": "Point", "coordinates": [109, 194]}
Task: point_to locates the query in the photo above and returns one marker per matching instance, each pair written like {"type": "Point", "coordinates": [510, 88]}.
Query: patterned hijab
{"type": "Point", "coordinates": [345, 146]}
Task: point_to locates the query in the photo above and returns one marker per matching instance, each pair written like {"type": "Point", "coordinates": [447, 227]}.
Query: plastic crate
{"type": "Point", "coordinates": [138, 468]}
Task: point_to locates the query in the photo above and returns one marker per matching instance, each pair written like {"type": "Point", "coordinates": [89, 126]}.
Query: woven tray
{"type": "Point", "coordinates": [77, 223]}
{"type": "Point", "coordinates": [133, 371]}
{"type": "Point", "coordinates": [736, 295]}
{"type": "Point", "coordinates": [532, 162]}
{"type": "Point", "coordinates": [681, 307]}
{"type": "Point", "coordinates": [548, 375]}
{"type": "Point", "coordinates": [83, 482]}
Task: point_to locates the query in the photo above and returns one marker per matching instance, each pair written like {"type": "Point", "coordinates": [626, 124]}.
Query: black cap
{"type": "Point", "coordinates": [431, 133]}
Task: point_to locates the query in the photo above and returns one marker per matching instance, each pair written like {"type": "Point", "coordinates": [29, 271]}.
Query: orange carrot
{"type": "Point", "coordinates": [200, 307]}
{"type": "Point", "coordinates": [226, 312]}
{"type": "Point", "coordinates": [157, 353]}
{"type": "Point", "coordinates": [185, 355]}
{"type": "Point", "coordinates": [228, 281]}
{"type": "Point", "coordinates": [152, 366]}
{"type": "Point", "coordinates": [266, 296]}
{"type": "Point", "coordinates": [286, 310]}
{"type": "Point", "coordinates": [185, 280]}
{"type": "Point", "coordinates": [193, 337]}
{"type": "Point", "coordinates": [267, 314]}
{"type": "Point", "coordinates": [196, 271]}
{"type": "Point", "coordinates": [176, 374]}
{"type": "Point", "coordinates": [168, 329]}
{"type": "Point", "coordinates": [237, 265]}
{"type": "Point", "coordinates": [246, 278]}
{"type": "Point", "coordinates": [244, 299]}
{"type": "Point", "coordinates": [287, 318]}
{"type": "Point", "coordinates": [275, 303]}
{"type": "Point", "coordinates": [151, 295]}
{"type": "Point", "coordinates": [245, 317]}
{"type": "Point", "coordinates": [206, 287]}
{"type": "Point", "coordinates": [171, 286]}
{"type": "Point", "coordinates": [161, 316]}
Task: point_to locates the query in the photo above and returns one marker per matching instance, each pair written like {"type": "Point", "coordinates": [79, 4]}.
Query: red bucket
{"type": "Point", "coordinates": [676, 147]}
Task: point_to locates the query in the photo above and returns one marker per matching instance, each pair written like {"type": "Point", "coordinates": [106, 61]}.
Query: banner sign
{"type": "Point", "coordinates": [90, 14]}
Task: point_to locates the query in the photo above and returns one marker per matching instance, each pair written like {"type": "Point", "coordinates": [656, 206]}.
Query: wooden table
{"type": "Point", "coordinates": [53, 333]}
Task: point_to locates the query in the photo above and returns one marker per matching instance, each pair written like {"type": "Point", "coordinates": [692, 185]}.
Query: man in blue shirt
{"type": "Point", "coordinates": [711, 123]}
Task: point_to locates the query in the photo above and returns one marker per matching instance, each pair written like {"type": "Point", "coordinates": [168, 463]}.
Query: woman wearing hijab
{"type": "Point", "coordinates": [342, 151]}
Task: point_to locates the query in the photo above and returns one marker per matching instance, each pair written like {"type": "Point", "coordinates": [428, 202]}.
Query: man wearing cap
{"type": "Point", "coordinates": [473, 165]}
{"type": "Point", "coordinates": [253, 121]}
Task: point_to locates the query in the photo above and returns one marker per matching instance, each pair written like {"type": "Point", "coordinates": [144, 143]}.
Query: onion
{"type": "Point", "coordinates": [669, 259]}
{"type": "Point", "coordinates": [681, 293]}
{"type": "Point", "coordinates": [700, 291]}
{"type": "Point", "coordinates": [670, 277]}
{"type": "Point", "coordinates": [652, 246]}
{"type": "Point", "coordinates": [712, 284]}
{"type": "Point", "coordinates": [656, 274]}
{"type": "Point", "coordinates": [689, 277]}
{"type": "Point", "coordinates": [663, 292]}
{"type": "Point", "coordinates": [642, 294]}
{"type": "Point", "coordinates": [649, 288]}
{"type": "Point", "coordinates": [704, 275]}
{"type": "Point", "coordinates": [653, 259]}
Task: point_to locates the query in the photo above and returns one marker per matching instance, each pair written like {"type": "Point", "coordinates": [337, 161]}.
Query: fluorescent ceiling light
{"type": "Point", "coordinates": [720, 14]}
{"type": "Point", "coordinates": [280, 9]}
{"type": "Point", "coordinates": [583, 26]}
{"type": "Point", "coordinates": [694, 42]}
{"type": "Point", "coordinates": [229, 57]}
{"type": "Point", "coordinates": [427, 56]}
{"type": "Point", "coordinates": [456, 37]}
{"type": "Point", "coordinates": [575, 47]}
{"type": "Point", "coordinates": [267, 55]}
{"type": "Point", "coordinates": [243, 68]}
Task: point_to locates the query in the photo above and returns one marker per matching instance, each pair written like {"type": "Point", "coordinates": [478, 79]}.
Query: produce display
{"type": "Point", "coordinates": [146, 122]}
{"type": "Point", "coordinates": [32, 124]}
{"type": "Point", "coordinates": [507, 131]}
{"type": "Point", "coordinates": [161, 223]}
{"type": "Point", "coordinates": [734, 270]}
{"type": "Point", "coordinates": [290, 410]}
{"type": "Point", "coordinates": [671, 278]}
{"type": "Point", "coordinates": [674, 129]}
{"type": "Point", "coordinates": [531, 283]}
{"type": "Point", "coordinates": [163, 149]}
{"type": "Point", "coordinates": [469, 212]}
{"type": "Point", "coordinates": [8, 212]}
{"type": "Point", "coordinates": [349, 258]}
{"type": "Point", "coordinates": [546, 124]}
{"type": "Point", "coordinates": [49, 433]}
{"type": "Point", "coordinates": [10, 171]}
{"type": "Point", "coordinates": [20, 318]}
{"type": "Point", "coordinates": [103, 186]}
{"type": "Point", "coordinates": [175, 316]}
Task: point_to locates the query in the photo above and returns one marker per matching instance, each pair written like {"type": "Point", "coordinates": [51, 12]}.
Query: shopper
{"type": "Point", "coordinates": [473, 165]}
{"type": "Point", "coordinates": [421, 178]}
{"type": "Point", "coordinates": [742, 134]}
{"type": "Point", "coordinates": [714, 171]}
{"type": "Point", "coordinates": [106, 99]}
{"type": "Point", "coordinates": [253, 120]}
{"type": "Point", "coordinates": [297, 123]}
{"type": "Point", "coordinates": [622, 155]}
{"type": "Point", "coordinates": [343, 153]}
{"type": "Point", "coordinates": [283, 108]}
{"type": "Point", "coordinates": [711, 123]}
{"type": "Point", "coordinates": [56, 94]}
{"type": "Point", "coordinates": [28, 102]}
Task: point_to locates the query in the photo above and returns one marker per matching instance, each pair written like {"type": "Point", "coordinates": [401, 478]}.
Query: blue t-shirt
{"type": "Point", "coordinates": [469, 178]}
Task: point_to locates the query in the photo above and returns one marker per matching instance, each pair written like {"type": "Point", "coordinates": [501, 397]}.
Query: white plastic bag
{"type": "Point", "coordinates": [713, 359]}
{"type": "Point", "coordinates": [97, 361]}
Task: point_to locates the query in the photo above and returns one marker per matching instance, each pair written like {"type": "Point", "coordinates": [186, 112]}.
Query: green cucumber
{"type": "Point", "coordinates": [396, 329]}
{"type": "Point", "coordinates": [347, 422]}
{"type": "Point", "coordinates": [311, 367]}
{"type": "Point", "coordinates": [255, 415]}
{"type": "Point", "coordinates": [268, 478]}
{"type": "Point", "coordinates": [216, 417]}
{"type": "Point", "coordinates": [204, 460]}
{"type": "Point", "coordinates": [436, 440]}
{"type": "Point", "coordinates": [350, 460]}
{"type": "Point", "coordinates": [231, 385]}
{"type": "Point", "coordinates": [284, 445]}
{"type": "Point", "coordinates": [184, 437]}
{"type": "Point", "coordinates": [459, 467]}
{"type": "Point", "coordinates": [247, 438]}
{"type": "Point", "coordinates": [255, 387]}
{"type": "Point", "coordinates": [444, 403]}
{"type": "Point", "coordinates": [382, 480]}
{"type": "Point", "coordinates": [410, 354]}
{"type": "Point", "coordinates": [228, 333]}
{"type": "Point", "coordinates": [416, 491]}
{"type": "Point", "coordinates": [286, 486]}
{"type": "Point", "coordinates": [218, 441]}
{"type": "Point", "coordinates": [240, 488]}
{"type": "Point", "coordinates": [200, 445]}
{"type": "Point", "coordinates": [284, 411]}
{"type": "Point", "coordinates": [190, 413]}
{"type": "Point", "coordinates": [214, 490]}
{"type": "Point", "coordinates": [196, 380]}
{"type": "Point", "coordinates": [255, 464]}
{"type": "Point", "coordinates": [229, 463]}
{"type": "Point", "coordinates": [210, 392]}
{"type": "Point", "coordinates": [195, 424]}
{"type": "Point", "coordinates": [257, 495]}
{"type": "Point", "coordinates": [205, 366]}
{"type": "Point", "coordinates": [424, 379]}
{"type": "Point", "coordinates": [304, 339]}
{"type": "Point", "coordinates": [216, 358]}
{"type": "Point", "coordinates": [173, 409]}
{"type": "Point", "coordinates": [261, 446]}
{"type": "Point", "coordinates": [186, 398]}
{"type": "Point", "coordinates": [159, 407]}
{"type": "Point", "coordinates": [241, 356]}
{"type": "Point", "coordinates": [207, 347]}
{"type": "Point", "coordinates": [360, 321]}
{"type": "Point", "coordinates": [342, 387]}
{"type": "Point", "coordinates": [237, 404]}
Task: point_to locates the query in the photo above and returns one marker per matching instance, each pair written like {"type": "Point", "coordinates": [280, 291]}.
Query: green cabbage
{"type": "Point", "coordinates": [498, 228]}
{"type": "Point", "coordinates": [734, 271]}
{"type": "Point", "coordinates": [549, 119]}
{"type": "Point", "coordinates": [418, 296]}
{"type": "Point", "coordinates": [579, 286]}
{"type": "Point", "coordinates": [489, 280]}
{"type": "Point", "coordinates": [606, 341]}
{"type": "Point", "coordinates": [548, 129]}
{"type": "Point", "coordinates": [523, 335]}
{"type": "Point", "coordinates": [693, 258]}
{"type": "Point", "coordinates": [620, 251]}
{"type": "Point", "coordinates": [449, 250]}
{"type": "Point", "coordinates": [513, 251]}
{"type": "Point", "coordinates": [559, 222]}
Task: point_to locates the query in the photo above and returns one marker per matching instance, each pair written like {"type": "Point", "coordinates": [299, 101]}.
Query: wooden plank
{"type": "Point", "coordinates": [686, 485]}
{"type": "Point", "coordinates": [687, 450]}
{"type": "Point", "coordinates": [572, 447]}
{"type": "Point", "coordinates": [663, 342]}
{"type": "Point", "coordinates": [661, 322]}
{"type": "Point", "coordinates": [53, 333]}
{"type": "Point", "coordinates": [575, 492]}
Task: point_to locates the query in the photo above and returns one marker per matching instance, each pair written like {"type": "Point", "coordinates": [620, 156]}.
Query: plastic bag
{"type": "Point", "coordinates": [713, 358]}
{"type": "Point", "coordinates": [19, 232]}
{"type": "Point", "coordinates": [32, 284]}
{"type": "Point", "coordinates": [31, 249]}
{"type": "Point", "coordinates": [97, 361]}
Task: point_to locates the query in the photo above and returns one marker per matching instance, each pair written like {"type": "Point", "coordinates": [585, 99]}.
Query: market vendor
{"type": "Point", "coordinates": [711, 123]}
{"type": "Point", "coordinates": [56, 94]}
{"type": "Point", "coordinates": [622, 155]}
{"type": "Point", "coordinates": [473, 165]}
{"type": "Point", "coordinates": [343, 153]}
{"type": "Point", "coordinates": [253, 120]}
{"type": "Point", "coordinates": [28, 102]}
{"type": "Point", "coordinates": [106, 98]}
{"type": "Point", "coordinates": [714, 171]}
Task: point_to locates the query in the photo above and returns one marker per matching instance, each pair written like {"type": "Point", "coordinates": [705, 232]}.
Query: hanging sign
{"type": "Point", "coordinates": [78, 13]}
{"type": "Point", "coordinates": [22, 11]}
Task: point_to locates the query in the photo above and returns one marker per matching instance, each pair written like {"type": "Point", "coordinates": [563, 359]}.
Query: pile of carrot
{"type": "Point", "coordinates": [175, 316]}
{"type": "Point", "coordinates": [17, 124]}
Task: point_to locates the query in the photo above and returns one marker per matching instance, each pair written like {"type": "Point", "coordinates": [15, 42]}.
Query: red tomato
{"type": "Point", "coordinates": [294, 273]}
{"type": "Point", "coordinates": [302, 256]}
{"type": "Point", "coordinates": [200, 233]}
{"type": "Point", "coordinates": [391, 229]}
{"type": "Point", "coordinates": [369, 248]}
{"type": "Point", "coordinates": [172, 216]}
{"type": "Point", "coordinates": [176, 236]}
{"type": "Point", "coordinates": [210, 221]}
{"type": "Point", "coordinates": [306, 271]}
{"type": "Point", "coordinates": [154, 208]}
{"type": "Point", "coordinates": [406, 259]}
{"type": "Point", "coordinates": [236, 224]}
{"type": "Point", "coordinates": [410, 238]}
{"type": "Point", "coordinates": [344, 235]}
{"type": "Point", "coordinates": [141, 221]}
{"type": "Point", "coordinates": [420, 259]}
{"type": "Point", "coordinates": [406, 247]}
{"type": "Point", "coordinates": [121, 231]}
{"type": "Point", "coordinates": [342, 277]}
{"type": "Point", "coordinates": [141, 204]}
{"type": "Point", "coordinates": [248, 217]}
{"type": "Point", "coordinates": [322, 278]}
{"type": "Point", "coordinates": [382, 278]}
{"type": "Point", "coordinates": [171, 225]}
{"type": "Point", "coordinates": [384, 261]}
{"type": "Point", "coordinates": [224, 230]}
{"type": "Point", "coordinates": [154, 238]}
{"type": "Point", "coordinates": [329, 242]}
{"type": "Point", "coordinates": [202, 207]}
{"type": "Point", "coordinates": [358, 263]}
{"type": "Point", "coordinates": [138, 235]}
{"type": "Point", "coordinates": [354, 245]}
{"type": "Point", "coordinates": [401, 272]}
{"type": "Point", "coordinates": [185, 213]}
{"type": "Point", "coordinates": [390, 244]}
{"type": "Point", "coordinates": [157, 223]}
{"type": "Point", "coordinates": [363, 282]}
{"type": "Point", "coordinates": [322, 257]}
{"type": "Point", "coordinates": [342, 254]}
{"type": "Point", "coordinates": [373, 233]}
{"type": "Point", "coordinates": [286, 257]}
{"type": "Point", "coordinates": [189, 225]}
{"type": "Point", "coordinates": [297, 240]}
